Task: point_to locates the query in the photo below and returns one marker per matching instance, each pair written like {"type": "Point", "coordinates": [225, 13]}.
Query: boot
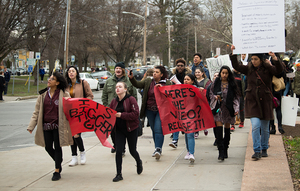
{"type": "Point", "coordinates": [82, 158]}
{"type": "Point", "coordinates": [226, 141]}
{"type": "Point", "coordinates": [272, 127]}
{"type": "Point", "coordinates": [74, 161]}
{"type": "Point", "coordinates": [280, 129]}
{"type": "Point", "coordinates": [220, 142]}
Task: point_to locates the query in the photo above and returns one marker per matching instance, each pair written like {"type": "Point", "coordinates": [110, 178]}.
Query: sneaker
{"type": "Point", "coordinates": [187, 156]}
{"type": "Point", "coordinates": [205, 132]}
{"type": "Point", "coordinates": [196, 135]}
{"type": "Point", "coordinates": [241, 125]}
{"type": "Point", "coordinates": [82, 158]}
{"type": "Point", "coordinates": [56, 176]}
{"type": "Point", "coordinates": [232, 128]}
{"type": "Point", "coordinates": [264, 153]}
{"type": "Point", "coordinates": [139, 167]}
{"type": "Point", "coordinates": [256, 156]}
{"type": "Point", "coordinates": [153, 154]}
{"type": "Point", "coordinates": [191, 158]}
{"type": "Point", "coordinates": [157, 153]}
{"type": "Point", "coordinates": [173, 144]}
{"type": "Point", "coordinates": [74, 161]}
{"type": "Point", "coordinates": [118, 178]}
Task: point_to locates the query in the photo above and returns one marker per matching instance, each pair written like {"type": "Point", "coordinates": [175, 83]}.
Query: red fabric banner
{"type": "Point", "coordinates": [87, 115]}
{"type": "Point", "coordinates": [183, 107]}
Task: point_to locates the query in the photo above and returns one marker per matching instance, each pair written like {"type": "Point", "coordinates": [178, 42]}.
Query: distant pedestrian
{"type": "Point", "coordinates": [2, 85]}
{"type": "Point", "coordinates": [52, 126]}
{"type": "Point", "coordinates": [126, 127]}
{"type": "Point", "coordinates": [258, 98]}
{"type": "Point", "coordinates": [7, 78]}
{"type": "Point", "coordinates": [224, 96]}
{"type": "Point", "coordinates": [77, 88]}
{"type": "Point", "coordinates": [42, 73]}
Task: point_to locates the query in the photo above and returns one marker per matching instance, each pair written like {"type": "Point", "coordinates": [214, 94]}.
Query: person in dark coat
{"type": "Point", "coordinates": [7, 78]}
{"type": "Point", "coordinates": [2, 85]}
{"type": "Point", "coordinates": [258, 99]}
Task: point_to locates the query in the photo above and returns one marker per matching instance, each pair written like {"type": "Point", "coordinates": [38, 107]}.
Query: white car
{"type": "Point", "coordinates": [94, 83]}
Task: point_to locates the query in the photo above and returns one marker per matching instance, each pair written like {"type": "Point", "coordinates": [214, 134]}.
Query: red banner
{"type": "Point", "coordinates": [86, 115]}
{"type": "Point", "coordinates": [183, 108]}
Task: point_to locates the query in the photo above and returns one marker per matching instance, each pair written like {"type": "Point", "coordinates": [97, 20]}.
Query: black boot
{"type": "Point", "coordinates": [139, 167]}
{"type": "Point", "coordinates": [280, 129]}
{"type": "Point", "coordinates": [272, 127]}
{"type": "Point", "coordinates": [220, 142]}
{"type": "Point", "coordinates": [226, 142]}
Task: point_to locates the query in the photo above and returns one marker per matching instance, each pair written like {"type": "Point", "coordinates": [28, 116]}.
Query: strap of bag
{"type": "Point", "coordinates": [84, 95]}
{"type": "Point", "coordinates": [263, 82]}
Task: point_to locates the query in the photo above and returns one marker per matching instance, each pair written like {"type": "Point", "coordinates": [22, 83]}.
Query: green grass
{"type": "Point", "coordinates": [20, 89]}
{"type": "Point", "coordinates": [292, 146]}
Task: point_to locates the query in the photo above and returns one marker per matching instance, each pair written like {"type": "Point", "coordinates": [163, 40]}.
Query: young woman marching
{"type": "Point", "coordinates": [202, 81]}
{"type": "Point", "coordinates": [126, 126]}
{"type": "Point", "coordinates": [224, 98]}
{"type": "Point", "coordinates": [78, 89]}
{"type": "Point", "coordinates": [52, 125]}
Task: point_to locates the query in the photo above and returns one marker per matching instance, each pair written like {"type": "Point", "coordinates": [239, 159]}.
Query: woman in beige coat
{"type": "Point", "coordinates": [51, 122]}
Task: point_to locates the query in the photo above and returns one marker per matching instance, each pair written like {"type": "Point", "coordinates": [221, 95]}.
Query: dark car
{"type": "Point", "coordinates": [138, 73]}
{"type": "Point", "coordinates": [101, 76]}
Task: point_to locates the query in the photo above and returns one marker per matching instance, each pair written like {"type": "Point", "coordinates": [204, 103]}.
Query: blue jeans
{"type": "Point", "coordinates": [190, 142]}
{"type": "Point", "coordinates": [175, 136]}
{"type": "Point", "coordinates": [155, 124]}
{"type": "Point", "coordinates": [287, 88]}
{"type": "Point", "coordinates": [260, 134]}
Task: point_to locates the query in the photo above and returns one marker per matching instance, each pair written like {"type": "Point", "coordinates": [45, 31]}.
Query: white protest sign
{"type": "Point", "coordinates": [214, 64]}
{"type": "Point", "coordinates": [258, 26]}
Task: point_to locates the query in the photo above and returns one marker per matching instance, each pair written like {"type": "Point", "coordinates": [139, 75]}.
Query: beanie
{"type": "Point", "coordinates": [120, 64]}
{"type": "Point", "coordinates": [260, 56]}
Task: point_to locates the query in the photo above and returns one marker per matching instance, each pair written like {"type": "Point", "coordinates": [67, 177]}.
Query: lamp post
{"type": "Point", "coordinates": [145, 28]}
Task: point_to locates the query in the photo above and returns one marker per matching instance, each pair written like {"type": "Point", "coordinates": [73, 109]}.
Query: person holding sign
{"type": "Point", "coordinates": [126, 127]}
{"type": "Point", "coordinates": [52, 125]}
{"type": "Point", "coordinates": [224, 103]}
{"type": "Point", "coordinates": [78, 89]}
{"type": "Point", "coordinates": [258, 101]}
{"type": "Point", "coordinates": [149, 106]}
{"type": "Point", "coordinates": [202, 82]}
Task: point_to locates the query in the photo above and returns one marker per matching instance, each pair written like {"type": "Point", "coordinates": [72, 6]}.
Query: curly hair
{"type": "Point", "coordinates": [163, 71]}
{"type": "Point", "coordinates": [62, 81]}
{"type": "Point", "coordinates": [67, 75]}
{"type": "Point", "coordinates": [180, 60]}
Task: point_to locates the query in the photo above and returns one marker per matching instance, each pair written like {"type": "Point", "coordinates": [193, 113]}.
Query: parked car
{"type": "Point", "coordinates": [101, 76]}
{"type": "Point", "coordinates": [138, 73]}
{"type": "Point", "coordinates": [94, 84]}
{"type": "Point", "coordinates": [21, 71]}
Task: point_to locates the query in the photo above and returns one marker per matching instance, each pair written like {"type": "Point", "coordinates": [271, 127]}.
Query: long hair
{"type": "Point", "coordinates": [231, 80]}
{"type": "Point", "coordinates": [62, 81]}
{"type": "Point", "coordinates": [163, 71]}
{"type": "Point", "coordinates": [69, 81]}
{"type": "Point", "coordinates": [202, 70]}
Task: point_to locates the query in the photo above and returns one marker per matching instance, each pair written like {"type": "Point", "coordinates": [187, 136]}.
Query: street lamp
{"type": "Point", "coordinates": [145, 28]}
{"type": "Point", "coordinates": [169, 38]}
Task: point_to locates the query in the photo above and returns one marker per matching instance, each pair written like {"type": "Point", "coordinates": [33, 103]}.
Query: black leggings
{"type": "Point", "coordinates": [56, 153]}
{"type": "Point", "coordinates": [278, 95]}
{"type": "Point", "coordinates": [121, 137]}
{"type": "Point", "coordinates": [77, 142]}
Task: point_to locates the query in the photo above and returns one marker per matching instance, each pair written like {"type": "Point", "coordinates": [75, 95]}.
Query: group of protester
{"type": "Point", "coordinates": [225, 96]}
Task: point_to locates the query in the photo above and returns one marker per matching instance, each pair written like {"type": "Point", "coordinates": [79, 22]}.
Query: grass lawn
{"type": "Point", "coordinates": [20, 89]}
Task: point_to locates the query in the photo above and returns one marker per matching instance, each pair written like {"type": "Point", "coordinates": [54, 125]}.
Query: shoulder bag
{"type": "Point", "coordinates": [278, 83]}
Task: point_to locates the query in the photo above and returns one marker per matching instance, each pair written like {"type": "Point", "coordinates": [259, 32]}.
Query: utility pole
{"type": "Point", "coordinates": [196, 40]}
{"type": "Point", "coordinates": [145, 34]}
{"type": "Point", "coordinates": [187, 46]}
{"type": "Point", "coordinates": [66, 48]}
{"type": "Point", "coordinates": [169, 37]}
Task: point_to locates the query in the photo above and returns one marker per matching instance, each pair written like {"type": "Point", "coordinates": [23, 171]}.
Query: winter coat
{"type": "Point", "coordinates": [186, 71]}
{"type": "Point", "coordinates": [145, 84]}
{"type": "Point", "coordinates": [201, 65]}
{"type": "Point", "coordinates": [78, 90]}
{"type": "Point", "coordinates": [109, 93]}
{"type": "Point", "coordinates": [64, 131]}
{"type": "Point", "coordinates": [7, 76]}
{"type": "Point", "coordinates": [296, 83]}
{"type": "Point", "coordinates": [258, 98]}
{"type": "Point", "coordinates": [130, 114]}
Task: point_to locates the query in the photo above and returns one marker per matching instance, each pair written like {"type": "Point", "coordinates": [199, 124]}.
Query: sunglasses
{"type": "Point", "coordinates": [180, 65]}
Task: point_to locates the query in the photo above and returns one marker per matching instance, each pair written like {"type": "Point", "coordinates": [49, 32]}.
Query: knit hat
{"type": "Point", "coordinates": [120, 64]}
{"type": "Point", "coordinates": [260, 56]}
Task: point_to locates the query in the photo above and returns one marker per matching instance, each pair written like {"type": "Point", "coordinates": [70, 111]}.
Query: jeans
{"type": "Point", "coordinates": [190, 142]}
{"type": "Point", "coordinates": [260, 134]}
{"type": "Point", "coordinates": [287, 88]}
{"type": "Point", "coordinates": [175, 136]}
{"type": "Point", "coordinates": [155, 124]}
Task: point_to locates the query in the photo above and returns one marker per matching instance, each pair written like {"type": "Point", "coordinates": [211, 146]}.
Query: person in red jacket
{"type": "Point", "coordinates": [126, 126]}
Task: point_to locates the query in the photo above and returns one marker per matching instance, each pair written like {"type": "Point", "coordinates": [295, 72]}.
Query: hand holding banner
{"type": "Point", "coordinates": [183, 108]}
{"type": "Point", "coordinates": [85, 115]}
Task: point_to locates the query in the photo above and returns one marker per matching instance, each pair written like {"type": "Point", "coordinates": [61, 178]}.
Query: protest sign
{"type": "Point", "coordinates": [86, 115]}
{"type": "Point", "coordinates": [214, 64]}
{"type": "Point", "coordinates": [258, 26]}
{"type": "Point", "coordinates": [183, 108]}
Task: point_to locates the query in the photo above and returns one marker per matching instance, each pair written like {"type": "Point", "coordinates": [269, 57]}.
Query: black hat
{"type": "Point", "coordinates": [260, 56]}
{"type": "Point", "coordinates": [120, 64]}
